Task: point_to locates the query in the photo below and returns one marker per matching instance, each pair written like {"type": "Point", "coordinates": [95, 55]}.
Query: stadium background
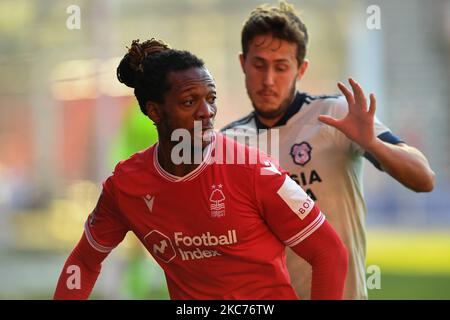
{"type": "Point", "coordinates": [65, 121]}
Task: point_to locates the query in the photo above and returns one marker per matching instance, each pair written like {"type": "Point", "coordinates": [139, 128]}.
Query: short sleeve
{"type": "Point", "coordinates": [105, 228]}
{"type": "Point", "coordinates": [288, 211]}
{"type": "Point", "coordinates": [384, 134]}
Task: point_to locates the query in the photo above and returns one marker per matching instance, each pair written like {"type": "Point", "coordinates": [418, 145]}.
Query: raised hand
{"type": "Point", "coordinates": [358, 124]}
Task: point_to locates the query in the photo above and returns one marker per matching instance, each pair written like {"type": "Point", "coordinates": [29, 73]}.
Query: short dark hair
{"type": "Point", "coordinates": [281, 22]}
{"type": "Point", "coordinates": [145, 68]}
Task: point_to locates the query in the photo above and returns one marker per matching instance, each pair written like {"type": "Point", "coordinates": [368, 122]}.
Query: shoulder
{"type": "Point", "coordinates": [134, 164]}
{"type": "Point", "coordinates": [236, 155]}
{"type": "Point", "coordinates": [133, 175]}
{"type": "Point", "coordinates": [328, 104]}
{"type": "Point", "coordinates": [241, 158]}
{"type": "Point", "coordinates": [244, 122]}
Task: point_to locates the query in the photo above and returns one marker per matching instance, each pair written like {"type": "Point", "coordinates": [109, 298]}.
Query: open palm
{"type": "Point", "coordinates": [358, 124]}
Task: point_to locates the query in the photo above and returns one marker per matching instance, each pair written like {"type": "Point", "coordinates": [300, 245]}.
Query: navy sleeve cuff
{"type": "Point", "coordinates": [388, 137]}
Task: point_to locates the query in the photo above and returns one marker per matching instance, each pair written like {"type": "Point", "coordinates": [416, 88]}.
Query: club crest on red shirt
{"type": "Point", "coordinates": [217, 201]}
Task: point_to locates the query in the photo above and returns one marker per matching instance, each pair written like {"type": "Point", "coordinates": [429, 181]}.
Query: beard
{"type": "Point", "coordinates": [280, 109]}
{"type": "Point", "coordinates": [272, 114]}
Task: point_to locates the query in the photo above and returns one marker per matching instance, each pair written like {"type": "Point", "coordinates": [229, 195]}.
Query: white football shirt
{"type": "Point", "coordinates": [329, 167]}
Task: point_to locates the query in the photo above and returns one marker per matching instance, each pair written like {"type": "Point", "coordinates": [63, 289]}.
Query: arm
{"type": "Point", "coordinates": [297, 221]}
{"type": "Point", "coordinates": [103, 231]}
{"type": "Point", "coordinates": [80, 272]}
{"type": "Point", "coordinates": [404, 163]}
{"type": "Point", "coordinates": [327, 255]}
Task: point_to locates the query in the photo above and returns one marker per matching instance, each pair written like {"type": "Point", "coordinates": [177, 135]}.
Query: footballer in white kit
{"type": "Point", "coordinates": [321, 139]}
{"type": "Point", "coordinates": [329, 167]}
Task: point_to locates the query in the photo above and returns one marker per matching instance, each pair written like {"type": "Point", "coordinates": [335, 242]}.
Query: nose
{"type": "Point", "coordinates": [205, 111]}
{"type": "Point", "coordinates": [269, 77]}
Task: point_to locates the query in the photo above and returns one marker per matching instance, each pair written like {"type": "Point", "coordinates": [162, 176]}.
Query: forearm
{"type": "Point", "coordinates": [79, 273]}
{"type": "Point", "coordinates": [405, 164]}
{"type": "Point", "coordinates": [328, 257]}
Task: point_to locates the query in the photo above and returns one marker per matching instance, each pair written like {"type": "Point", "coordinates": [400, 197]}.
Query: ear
{"type": "Point", "coordinates": [302, 69]}
{"type": "Point", "coordinates": [153, 111]}
{"type": "Point", "coordinates": [242, 60]}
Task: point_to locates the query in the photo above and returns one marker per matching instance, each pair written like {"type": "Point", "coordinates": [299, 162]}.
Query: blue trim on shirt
{"type": "Point", "coordinates": [239, 122]}
{"type": "Point", "coordinates": [388, 137]}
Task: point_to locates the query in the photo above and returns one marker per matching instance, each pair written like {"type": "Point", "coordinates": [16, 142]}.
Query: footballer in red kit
{"type": "Point", "coordinates": [217, 229]}
{"type": "Point", "coordinates": [211, 227]}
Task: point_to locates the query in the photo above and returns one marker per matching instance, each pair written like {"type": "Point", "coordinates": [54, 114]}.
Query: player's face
{"type": "Point", "coordinates": [271, 71]}
{"type": "Point", "coordinates": [191, 97]}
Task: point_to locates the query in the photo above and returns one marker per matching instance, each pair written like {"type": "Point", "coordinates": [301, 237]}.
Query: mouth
{"type": "Point", "coordinates": [266, 93]}
{"type": "Point", "coordinates": [205, 129]}
{"type": "Point", "coordinates": [207, 126]}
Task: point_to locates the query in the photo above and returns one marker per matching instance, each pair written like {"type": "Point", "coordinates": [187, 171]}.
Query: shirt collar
{"type": "Point", "coordinates": [292, 109]}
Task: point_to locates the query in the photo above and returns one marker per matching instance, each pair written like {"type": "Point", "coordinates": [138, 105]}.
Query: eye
{"type": "Point", "coordinates": [212, 99]}
{"type": "Point", "coordinates": [258, 65]}
{"type": "Point", "coordinates": [188, 102]}
{"type": "Point", "coordinates": [282, 68]}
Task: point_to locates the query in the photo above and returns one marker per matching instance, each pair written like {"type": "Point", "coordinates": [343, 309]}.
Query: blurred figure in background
{"type": "Point", "coordinates": [136, 134]}
{"type": "Point", "coordinates": [323, 139]}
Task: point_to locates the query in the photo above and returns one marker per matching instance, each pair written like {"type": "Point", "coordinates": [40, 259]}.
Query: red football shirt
{"type": "Point", "coordinates": [218, 232]}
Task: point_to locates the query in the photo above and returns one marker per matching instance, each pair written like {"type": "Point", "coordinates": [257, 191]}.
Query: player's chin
{"type": "Point", "coordinates": [205, 135]}
{"type": "Point", "coordinates": [266, 104]}
{"type": "Point", "coordinates": [269, 98]}
{"type": "Point", "coordinates": [204, 142]}
{"type": "Point", "coordinates": [268, 111]}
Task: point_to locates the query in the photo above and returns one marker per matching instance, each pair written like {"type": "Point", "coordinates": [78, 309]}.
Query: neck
{"type": "Point", "coordinates": [165, 160]}
{"type": "Point", "coordinates": [269, 122]}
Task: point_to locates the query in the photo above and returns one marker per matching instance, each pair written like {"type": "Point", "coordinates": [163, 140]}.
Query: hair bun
{"type": "Point", "coordinates": [132, 63]}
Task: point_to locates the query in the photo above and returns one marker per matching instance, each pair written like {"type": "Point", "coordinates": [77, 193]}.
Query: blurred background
{"type": "Point", "coordinates": [65, 121]}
